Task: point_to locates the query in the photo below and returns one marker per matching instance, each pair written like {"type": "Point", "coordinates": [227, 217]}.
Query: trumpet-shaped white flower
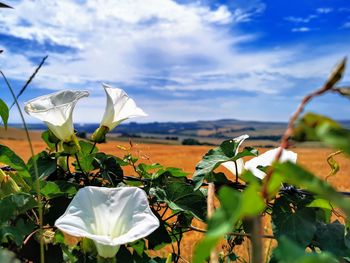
{"type": "Point", "coordinates": [55, 110]}
{"type": "Point", "coordinates": [263, 160]}
{"type": "Point", "coordinates": [119, 107]}
{"type": "Point", "coordinates": [109, 216]}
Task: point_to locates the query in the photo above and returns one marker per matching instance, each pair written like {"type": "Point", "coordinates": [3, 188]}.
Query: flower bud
{"type": "Point", "coordinates": [99, 134]}
{"type": "Point", "coordinates": [72, 146]}
{"type": "Point", "coordinates": [7, 185]}
{"type": "Point", "coordinates": [48, 236]}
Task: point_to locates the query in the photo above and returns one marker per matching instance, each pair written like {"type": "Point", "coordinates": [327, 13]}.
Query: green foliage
{"type": "Point", "coordinates": [4, 112]}
{"type": "Point", "coordinates": [293, 219]}
{"type": "Point", "coordinates": [306, 129]}
{"type": "Point", "coordinates": [227, 151]}
{"type": "Point", "coordinates": [7, 256]}
{"type": "Point", "coordinates": [180, 196]}
{"type": "Point", "coordinates": [289, 252]}
{"type": "Point", "coordinates": [8, 157]}
{"type": "Point", "coordinates": [234, 206]}
{"type": "Point", "coordinates": [58, 188]}
{"type": "Point", "coordinates": [45, 163]}
{"type": "Point", "coordinates": [14, 205]}
{"type": "Point", "coordinates": [300, 205]}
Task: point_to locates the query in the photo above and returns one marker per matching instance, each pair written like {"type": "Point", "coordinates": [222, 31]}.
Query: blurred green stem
{"type": "Point", "coordinates": [36, 183]}
{"type": "Point", "coordinates": [256, 239]}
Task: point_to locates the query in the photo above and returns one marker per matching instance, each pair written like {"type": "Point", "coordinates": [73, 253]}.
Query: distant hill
{"type": "Point", "coordinates": [211, 132]}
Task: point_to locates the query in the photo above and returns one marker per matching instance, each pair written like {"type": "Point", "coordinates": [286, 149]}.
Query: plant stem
{"type": "Point", "coordinates": [172, 216]}
{"type": "Point", "coordinates": [81, 169]}
{"type": "Point", "coordinates": [236, 168]}
{"type": "Point", "coordinates": [36, 173]}
{"type": "Point", "coordinates": [257, 244]}
{"type": "Point", "coordinates": [93, 148]}
{"type": "Point", "coordinates": [210, 209]}
{"type": "Point", "coordinates": [68, 168]}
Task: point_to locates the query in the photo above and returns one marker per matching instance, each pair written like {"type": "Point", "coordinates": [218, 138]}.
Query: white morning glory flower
{"type": "Point", "coordinates": [265, 159]}
{"type": "Point", "coordinates": [55, 110]}
{"type": "Point", "coordinates": [119, 107]}
{"type": "Point", "coordinates": [109, 216]}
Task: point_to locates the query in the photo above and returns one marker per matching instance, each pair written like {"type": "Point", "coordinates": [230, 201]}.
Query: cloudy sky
{"type": "Point", "coordinates": [180, 60]}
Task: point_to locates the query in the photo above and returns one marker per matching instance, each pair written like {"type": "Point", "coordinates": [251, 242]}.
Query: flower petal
{"type": "Point", "coordinates": [55, 110]}
{"type": "Point", "coordinates": [231, 166]}
{"type": "Point", "coordinates": [119, 107]}
{"type": "Point", "coordinates": [267, 159]}
{"type": "Point", "coordinates": [109, 216]}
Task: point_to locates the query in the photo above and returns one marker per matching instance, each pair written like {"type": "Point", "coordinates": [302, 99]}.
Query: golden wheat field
{"type": "Point", "coordinates": [186, 157]}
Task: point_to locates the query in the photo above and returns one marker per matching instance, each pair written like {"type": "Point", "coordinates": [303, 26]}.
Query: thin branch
{"type": "Point", "coordinates": [172, 216]}
{"type": "Point", "coordinates": [165, 210]}
{"type": "Point", "coordinates": [93, 148]}
{"type": "Point", "coordinates": [80, 167]}
{"type": "Point", "coordinates": [334, 77]}
{"type": "Point", "coordinates": [29, 80]}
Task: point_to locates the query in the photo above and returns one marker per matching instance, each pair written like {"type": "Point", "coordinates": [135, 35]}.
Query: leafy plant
{"type": "Point", "coordinates": [73, 203]}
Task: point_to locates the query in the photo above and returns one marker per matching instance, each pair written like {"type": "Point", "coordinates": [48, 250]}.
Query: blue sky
{"type": "Point", "coordinates": [180, 60]}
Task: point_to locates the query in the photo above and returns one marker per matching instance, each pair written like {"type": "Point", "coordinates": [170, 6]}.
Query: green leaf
{"type": "Point", "coordinates": [160, 237]}
{"type": "Point", "coordinates": [175, 172]}
{"type": "Point", "coordinates": [305, 129]}
{"type": "Point", "coordinates": [4, 112]}
{"type": "Point", "coordinates": [7, 256]}
{"type": "Point", "coordinates": [8, 157]}
{"type": "Point", "coordinates": [139, 246]}
{"type": "Point", "coordinates": [289, 252]}
{"type": "Point", "coordinates": [49, 140]}
{"type": "Point", "coordinates": [331, 238]}
{"type": "Point", "coordinates": [295, 175]}
{"type": "Point", "coordinates": [58, 188]}
{"type": "Point", "coordinates": [321, 203]}
{"type": "Point", "coordinates": [214, 157]}
{"type": "Point", "coordinates": [290, 220]}
{"type": "Point", "coordinates": [86, 158]}
{"type": "Point", "coordinates": [45, 164]}
{"type": "Point", "coordinates": [155, 170]}
{"type": "Point", "coordinates": [87, 148]}
{"type": "Point", "coordinates": [15, 204]}
{"type": "Point", "coordinates": [336, 74]}
{"type": "Point", "coordinates": [109, 166]}
{"type": "Point", "coordinates": [181, 196]}
{"type": "Point", "coordinates": [17, 232]}
{"type": "Point", "coordinates": [336, 137]}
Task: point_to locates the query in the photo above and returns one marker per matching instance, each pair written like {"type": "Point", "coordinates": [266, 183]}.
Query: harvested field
{"type": "Point", "coordinates": [186, 157]}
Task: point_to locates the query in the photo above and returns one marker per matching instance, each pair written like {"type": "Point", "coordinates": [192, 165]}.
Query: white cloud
{"type": "Point", "coordinates": [301, 29]}
{"type": "Point", "coordinates": [191, 46]}
{"type": "Point", "coordinates": [324, 10]}
{"type": "Point", "coordinates": [128, 41]}
{"type": "Point", "coordinates": [346, 25]}
{"type": "Point", "coordinates": [305, 20]}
